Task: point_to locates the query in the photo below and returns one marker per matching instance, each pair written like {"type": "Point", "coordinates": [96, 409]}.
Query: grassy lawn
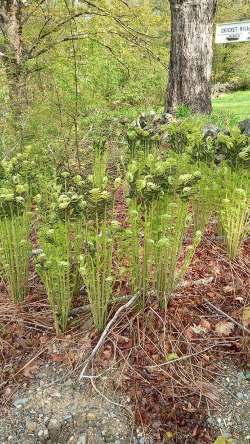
{"type": "Point", "coordinates": [237, 103]}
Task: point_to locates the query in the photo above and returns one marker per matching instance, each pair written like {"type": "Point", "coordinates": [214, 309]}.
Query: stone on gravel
{"type": "Point", "coordinates": [43, 435]}
{"type": "Point", "coordinates": [18, 403]}
{"type": "Point", "coordinates": [31, 426]}
{"type": "Point", "coordinates": [53, 427]}
{"type": "Point", "coordinates": [82, 439]}
{"type": "Point", "coordinates": [91, 416]}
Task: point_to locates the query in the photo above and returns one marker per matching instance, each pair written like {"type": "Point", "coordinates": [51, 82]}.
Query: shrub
{"type": "Point", "coordinates": [155, 242]}
{"type": "Point", "coordinates": [235, 148]}
{"type": "Point", "coordinates": [183, 111]}
{"type": "Point", "coordinates": [96, 260]}
{"type": "Point", "coordinates": [99, 163]}
{"type": "Point", "coordinates": [96, 269]}
{"type": "Point", "coordinates": [179, 134]}
{"type": "Point", "coordinates": [142, 142]}
{"type": "Point", "coordinates": [235, 220]}
{"type": "Point", "coordinates": [140, 242]}
{"type": "Point", "coordinates": [149, 179]}
{"type": "Point", "coordinates": [54, 266]}
{"type": "Point", "coordinates": [156, 227]}
{"type": "Point", "coordinates": [15, 249]}
{"type": "Point", "coordinates": [206, 200]}
{"type": "Point", "coordinates": [174, 224]}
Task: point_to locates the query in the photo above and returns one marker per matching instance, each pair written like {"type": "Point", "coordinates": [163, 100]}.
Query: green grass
{"type": "Point", "coordinates": [237, 104]}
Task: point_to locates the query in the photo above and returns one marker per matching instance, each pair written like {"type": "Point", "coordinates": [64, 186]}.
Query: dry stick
{"type": "Point", "coordinates": [87, 307]}
{"type": "Point", "coordinates": [104, 334]}
{"type": "Point", "coordinates": [227, 316]}
{"type": "Point", "coordinates": [182, 358]}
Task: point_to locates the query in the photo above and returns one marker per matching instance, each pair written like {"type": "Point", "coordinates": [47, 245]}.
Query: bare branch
{"type": "Point", "coordinates": [113, 53]}
{"type": "Point", "coordinates": [58, 42]}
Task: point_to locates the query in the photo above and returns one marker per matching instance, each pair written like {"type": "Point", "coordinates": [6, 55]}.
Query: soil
{"type": "Point", "coordinates": [55, 408]}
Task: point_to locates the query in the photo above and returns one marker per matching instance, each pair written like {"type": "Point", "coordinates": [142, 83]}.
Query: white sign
{"type": "Point", "coordinates": [233, 32]}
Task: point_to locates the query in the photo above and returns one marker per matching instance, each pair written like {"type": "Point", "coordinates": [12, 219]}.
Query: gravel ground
{"type": "Point", "coordinates": [54, 411]}
{"type": "Point", "coordinates": [232, 418]}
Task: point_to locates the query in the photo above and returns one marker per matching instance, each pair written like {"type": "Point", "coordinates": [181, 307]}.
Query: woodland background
{"type": "Point", "coordinates": [109, 62]}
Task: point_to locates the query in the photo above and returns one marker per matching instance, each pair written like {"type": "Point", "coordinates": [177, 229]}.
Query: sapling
{"type": "Point", "coordinates": [99, 163]}
{"type": "Point", "coordinates": [235, 220]}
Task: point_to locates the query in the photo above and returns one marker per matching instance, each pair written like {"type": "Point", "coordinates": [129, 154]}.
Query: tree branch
{"type": "Point", "coordinates": [58, 42]}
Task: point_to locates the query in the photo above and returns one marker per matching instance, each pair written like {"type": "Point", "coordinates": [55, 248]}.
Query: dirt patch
{"type": "Point", "coordinates": [55, 408]}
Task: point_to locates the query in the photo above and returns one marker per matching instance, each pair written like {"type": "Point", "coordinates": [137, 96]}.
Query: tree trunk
{"type": "Point", "coordinates": [191, 55]}
{"type": "Point", "coordinates": [12, 56]}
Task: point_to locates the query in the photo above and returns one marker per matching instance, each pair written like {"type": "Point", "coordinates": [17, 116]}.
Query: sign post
{"type": "Point", "coordinates": [233, 32]}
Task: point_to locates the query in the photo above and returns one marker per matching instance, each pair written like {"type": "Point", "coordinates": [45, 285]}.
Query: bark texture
{"type": "Point", "coordinates": [191, 55]}
{"type": "Point", "coordinates": [12, 54]}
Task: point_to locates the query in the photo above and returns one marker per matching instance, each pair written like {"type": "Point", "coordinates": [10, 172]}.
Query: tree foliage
{"type": "Point", "coordinates": [77, 58]}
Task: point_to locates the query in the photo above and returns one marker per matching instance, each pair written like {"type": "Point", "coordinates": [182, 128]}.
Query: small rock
{"type": "Point", "coordinates": [18, 403]}
{"type": "Point", "coordinates": [82, 439]}
{"type": "Point", "coordinates": [91, 416]}
{"type": "Point", "coordinates": [67, 418]}
{"type": "Point", "coordinates": [166, 118]}
{"type": "Point", "coordinates": [240, 395]}
{"type": "Point", "coordinates": [56, 395]}
{"type": "Point", "coordinates": [54, 427]}
{"type": "Point", "coordinates": [46, 420]}
{"type": "Point", "coordinates": [211, 131]}
{"type": "Point", "coordinates": [244, 126]}
{"type": "Point", "coordinates": [43, 435]}
{"type": "Point", "coordinates": [31, 426]}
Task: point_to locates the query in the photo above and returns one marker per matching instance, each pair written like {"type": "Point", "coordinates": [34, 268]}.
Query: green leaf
{"type": "Point", "coordinates": [223, 440]}
{"type": "Point", "coordinates": [171, 357]}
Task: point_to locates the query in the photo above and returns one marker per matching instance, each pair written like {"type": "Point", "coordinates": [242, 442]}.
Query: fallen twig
{"type": "Point", "coordinates": [181, 358]}
{"type": "Point", "coordinates": [86, 308]}
{"type": "Point", "coordinates": [227, 316]}
{"type": "Point", "coordinates": [104, 334]}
